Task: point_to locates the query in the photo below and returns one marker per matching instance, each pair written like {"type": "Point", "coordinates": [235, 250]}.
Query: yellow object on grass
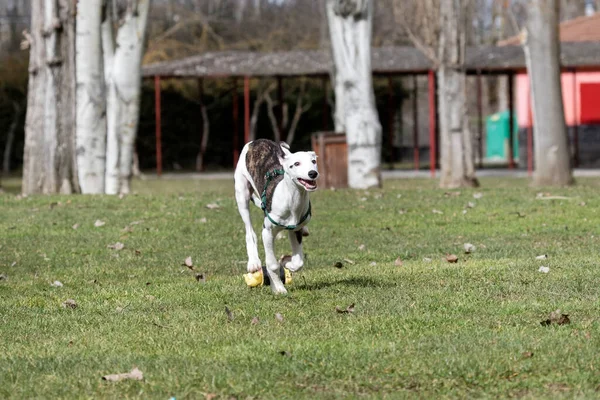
{"type": "Point", "coordinates": [260, 277]}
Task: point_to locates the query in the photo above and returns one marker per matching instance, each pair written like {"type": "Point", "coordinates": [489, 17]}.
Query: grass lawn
{"type": "Point", "coordinates": [427, 328]}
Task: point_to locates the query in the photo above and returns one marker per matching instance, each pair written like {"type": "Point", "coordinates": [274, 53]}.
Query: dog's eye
{"type": "Point", "coordinates": [297, 163]}
{"type": "Point", "coordinates": [314, 161]}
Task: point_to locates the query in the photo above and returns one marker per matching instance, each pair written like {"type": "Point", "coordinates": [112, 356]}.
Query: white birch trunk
{"type": "Point", "coordinates": [49, 164]}
{"type": "Point", "coordinates": [350, 26]}
{"type": "Point", "coordinates": [90, 136]}
{"type": "Point", "coordinates": [124, 84]}
{"type": "Point", "coordinates": [542, 56]}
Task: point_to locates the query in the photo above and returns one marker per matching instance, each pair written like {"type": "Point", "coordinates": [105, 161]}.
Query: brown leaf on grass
{"type": "Point", "coordinates": [200, 278]}
{"type": "Point", "coordinates": [556, 317]}
{"type": "Point", "coordinates": [69, 303]}
{"type": "Point", "coordinates": [209, 396]}
{"type": "Point", "coordinates": [451, 194]}
{"type": "Point", "coordinates": [229, 314]}
{"type": "Point", "coordinates": [348, 310]}
{"type": "Point", "coordinates": [279, 317]}
{"type": "Point", "coordinates": [138, 253]}
{"type": "Point", "coordinates": [188, 263]}
{"type": "Point", "coordinates": [527, 354]}
{"type": "Point", "coordinates": [134, 374]}
{"type": "Point", "coordinates": [451, 258]}
{"type": "Point", "coordinates": [213, 206]}
{"type": "Point", "coordinates": [99, 223]}
{"type": "Point", "coordinates": [398, 262]}
{"type": "Point", "coordinates": [116, 246]}
{"type": "Point", "coordinates": [254, 321]}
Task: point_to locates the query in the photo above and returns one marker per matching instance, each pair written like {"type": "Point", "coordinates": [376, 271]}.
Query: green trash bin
{"type": "Point", "coordinates": [497, 136]}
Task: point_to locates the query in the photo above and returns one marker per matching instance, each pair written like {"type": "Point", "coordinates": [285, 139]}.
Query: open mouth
{"type": "Point", "coordinates": [308, 184]}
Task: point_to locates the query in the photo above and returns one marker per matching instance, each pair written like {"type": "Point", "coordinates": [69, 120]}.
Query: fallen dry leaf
{"type": "Point", "coordinates": [279, 317]}
{"type": "Point", "coordinates": [69, 303]}
{"type": "Point", "coordinates": [229, 314]}
{"type": "Point", "coordinates": [76, 226]}
{"type": "Point", "coordinates": [348, 310]}
{"type": "Point", "coordinates": [188, 263]}
{"type": "Point", "coordinates": [437, 211]}
{"type": "Point", "coordinates": [543, 269]}
{"type": "Point", "coordinates": [556, 317]}
{"type": "Point", "coordinates": [212, 206]}
{"type": "Point", "coordinates": [362, 247]}
{"type": "Point", "coordinates": [527, 354]}
{"type": "Point", "coordinates": [209, 396]}
{"type": "Point", "coordinates": [254, 321]}
{"type": "Point", "coordinates": [56, 284]}
{"type": "Point", "coordinates": [451, 258]}
{"type": "Point", "coordinates": [99, 223]}
{"type": "Point", "coordinates": [469, 248]}
{"type": "Point", "coordinates": [451, 194]}
{"type": "Point", "coordinates": [200, 278]}
{"type": "Point", "coordinates": [135, 374]}
{"type": "Point", "coordinates": [116, 246]}
{"type": "Point", "coordinates": [398, 262]}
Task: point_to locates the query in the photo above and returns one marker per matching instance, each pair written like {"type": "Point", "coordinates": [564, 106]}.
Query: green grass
{"type": "Point", "coordinates": [424, 329]}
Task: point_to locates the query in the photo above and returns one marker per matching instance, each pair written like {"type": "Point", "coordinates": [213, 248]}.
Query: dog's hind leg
{"type": "Point", "coordinates": [243, 193]}
{"type": "Point", "coordinates": [297, 255]}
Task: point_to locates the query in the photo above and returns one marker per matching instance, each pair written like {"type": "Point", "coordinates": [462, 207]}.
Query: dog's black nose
{"type": "Point", "coordinates": [313, 174]}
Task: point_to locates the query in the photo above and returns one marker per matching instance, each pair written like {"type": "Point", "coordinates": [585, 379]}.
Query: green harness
{"type": "Point", "coordinates": [263, 201]}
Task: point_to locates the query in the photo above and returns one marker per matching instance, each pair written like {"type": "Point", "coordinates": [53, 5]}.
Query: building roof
{"type": "Point", "coordinates": [581, 29]}
{"type": "Point", "coordinates": [385, 60]}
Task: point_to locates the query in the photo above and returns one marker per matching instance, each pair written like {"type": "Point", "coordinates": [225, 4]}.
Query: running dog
{"type": "Point", "coordinates": [279, 182]}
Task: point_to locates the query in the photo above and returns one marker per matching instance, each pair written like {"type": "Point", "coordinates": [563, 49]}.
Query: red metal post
{"type": "Point", "coordinates": [511, 120]}
{"type": "Point", "coordinates": [157, 115]}
{"type": "Point", "coordinates": [391, 110]}
{"type": "Point", "coordinates": [530, 141]}
{"type": "Point", "coordinates": [415, 123]}
{"type": "Point", "coordinates": [575, 121]}
{"type": "Point", "coordinates": [246, 109]}
{"type": "Point", "coordinates": [479, 120]}
{"type": "Point", "coordinates": [280, 108]}
{"type": "Point", "coordinates": [432, 114]}
{"type": "Point", "coordinates": [236, 145]}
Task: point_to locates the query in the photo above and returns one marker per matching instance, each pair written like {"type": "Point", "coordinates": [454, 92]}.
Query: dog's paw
{"type": "Point", "coordinates": [278, 290]}
{"type": "Point", "coordinates": [254, 266]}
{"type": "Point", "coordinates": [294, 267]}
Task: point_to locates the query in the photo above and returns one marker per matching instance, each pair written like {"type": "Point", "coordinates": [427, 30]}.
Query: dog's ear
{"type": "Point", "coordinates": [285, 148]}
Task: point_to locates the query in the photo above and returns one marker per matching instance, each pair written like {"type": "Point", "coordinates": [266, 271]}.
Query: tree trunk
{"type": "Point", "coordinates": [124, 83]}
{"type": "Point", "coordinates": [49, 164]}
{"type": "Point", "coordinates": [350, 27]}
{"type": "Point", "coordinates": [542, 56]}
{"type": "Point", "coordinates": [91, 98]}
{"type": "Point", "coordinates": [456, 145]}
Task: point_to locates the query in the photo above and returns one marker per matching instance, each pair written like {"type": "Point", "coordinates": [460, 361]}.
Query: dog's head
{"type": "Point", "coordinates": [301, 167]}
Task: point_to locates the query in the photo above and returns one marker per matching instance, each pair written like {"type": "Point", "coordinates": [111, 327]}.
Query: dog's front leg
{"type": "Point", "coordinates": [268, 236]}
{"type": "Point", "coordinates": [297, 255]}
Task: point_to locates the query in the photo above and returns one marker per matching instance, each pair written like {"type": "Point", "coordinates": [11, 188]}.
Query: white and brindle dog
{"type": "Point", "coordinates": [278, 182]}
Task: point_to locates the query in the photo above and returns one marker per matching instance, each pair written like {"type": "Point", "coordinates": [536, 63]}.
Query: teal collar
{"type": "Point", "coordinates": [263, 201]}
